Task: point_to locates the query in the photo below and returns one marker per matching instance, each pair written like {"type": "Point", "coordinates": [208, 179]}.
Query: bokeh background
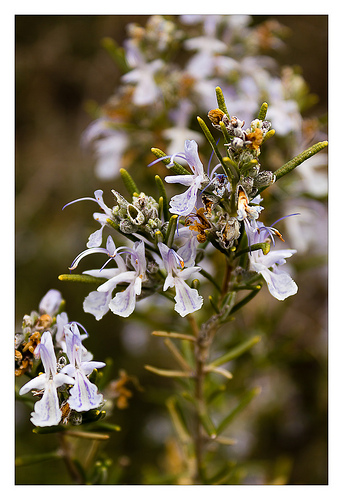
{"type": "Point", "coordinates": [61, 68]}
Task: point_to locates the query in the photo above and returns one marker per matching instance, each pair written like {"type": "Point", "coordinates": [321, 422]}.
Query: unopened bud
{"type": "Point", "coordinates": [216, 116]}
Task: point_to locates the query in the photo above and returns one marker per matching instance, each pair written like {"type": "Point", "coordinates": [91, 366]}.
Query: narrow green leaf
{"type": "Point", "coordinates": [210, 278]}
{"type": "Point", "coordinates": [158, 236]}
{"type": "Point", "coordinates": [223, 474]}
{"type": "Point", "coordinates": [168, 373]}
{"type": "Point", "coordinates": [221, 101]}
{"type": "Point", "coordinates": [246, 299]}
{"type": "Point", "coordinates": [49, 430]}
{"type": "Point", "coordinates": [160, 207]}
{"type": "Point", "coordinates": [36, 459]}
{"type": "Point", "coordinates": [233, 168]}
{"type": "Point", "coordinates": [176, 168]}
{"type": "Point", "coordinates": [269, 134]}
{"type": "Point", "coordinates": [129, 183]}
{"type": "Point", "coordinates": [105, 426]}
{"type": "Point", "coordinates": [221, 371]}
{"type": "Point", "coordinates": [207, 422]}
{"type": "Point", "coordinates": [224, 132]}
{"type": "Point", "coordinates": [117, 53]}
{"type": "Point", "coordinates": [263, 111]}
{"type": "Point", "coordinates": [249, 396]}
{"type": "Point", "coordinates": [177, 355]}
{"type": "Point", "coordinates": [297, 160]}
{"type": "Point", "coordinates": [212, 141]}
{"type": "Point", "coordinates": [235, 352]}
{"type": "Point", "coordinates": [174, 335]}
{"type": "Point", "coordinates": [179, 426]}
{"type": "Point", "coordinates": [113, 224]}
{"type": "Point", "coordinates": [163, 194]}
{"type": "Point", "coordinates": [88, 435]}
{"type": "Point", "coordinates": [171, 230]}
{"type": "Point", "coordinates": [265, 247]}
{"type": "Point", "coordinates": [226, 440]}
{"type": "Point", "coordinates": [81, 278]}
{"type": "Point", "coordinates": [213, 304]}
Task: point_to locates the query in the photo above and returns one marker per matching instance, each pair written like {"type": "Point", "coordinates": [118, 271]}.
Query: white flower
{"type": "Point", "coordinates": [187, 299]}
{"type": "Point", "coordinates": [248, 213]}
{"type": "Point", "coordinates": [50, 303]}
{"type": "Point", "coordinates": [84, 394]}
{"type": "Point", "coordinates": [183, 204]}
{"type": "Point", "coordinates": [279, 283]}
{"type": "Point", "coordinates": [109, 146]}
{"type": "Point", "coordinates": [95, 239]}
{"type": "Point", "coordinates": [146, 91]}
{"type": "Point", "coordinates": [123, 303]}
{"type": "Point", "coordinates": [179, 132]}
{"type": "Point", "coordinates": [109, 152]}
{"type": "Point", "coordinates": [60, 339]}
{"type": "Point", "coordinates": [47, 410]}
{"type": "Point", "coordinates": [187, 239]}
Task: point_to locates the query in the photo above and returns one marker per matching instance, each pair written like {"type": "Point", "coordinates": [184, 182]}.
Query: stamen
{"type": "Point", "coordinates": [159, 159]}
{"type": "Point", "coordinates": [80, 199]}
{"type": "Point", "coordinates": [89, 251]}
{"type": "Point", "coordinates": [79, 324]}
{"type": "Point", "coordinates": [284, 217]}
{"type": "Point", "coordinates": [215, 168]}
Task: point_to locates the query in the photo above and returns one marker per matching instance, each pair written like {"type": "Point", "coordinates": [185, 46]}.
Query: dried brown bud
{"type": "Point", "coordinates": [216, 116]}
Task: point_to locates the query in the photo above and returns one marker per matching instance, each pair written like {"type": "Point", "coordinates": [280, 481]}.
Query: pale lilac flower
{"type": "Point", "coordinates": [143, 74]}
{"type": "Point", "coordinates": [97, 303]}
{"type": "Point", "coordinates": [313, 176]}
{"type": "Point", "coordinates": [279, 283]}
{"type": "Point", "coordinates": [178, 133]}
{"type": "Point", "coordinates": [187, 239]}
{"type": "Point", "coordinates": [246, 212]}
{"type": "Point", "coordinates": [47, 410]}
{"type": "Point", "coordinates": [109, 145]}
{"type": "Point", "coordinates": [187, 299]}
{"type": "Point", "coordinates": [183, 204]}
{"type": "Point", "coordinates": [63, 323]}
{"type": "Point", "coordinates": [203, 63]}
{"type": "Point", "coordinates": [123, 303]}
{"type": "Point", "coordinates": [95, 239]}
{"type": "Point", "coordinates": [50, 303]}
{"type": "Point", "coordinates": [84, 394]}
{"type": "Point", "coordinates": [109, 152]}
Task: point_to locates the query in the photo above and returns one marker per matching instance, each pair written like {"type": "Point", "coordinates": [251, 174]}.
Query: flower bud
{"type": "Point", "coordinates": [135, 215]}
{"type": "Point", "coordinates": [264, 178]}
{"type": "Point", "coordinates": [126, 226]}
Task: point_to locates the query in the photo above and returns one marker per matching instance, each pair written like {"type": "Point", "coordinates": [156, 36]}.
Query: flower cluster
{"type": "Point", "coordinates": [170, 67]}
{"type": "Point", "coordinates": [221, 208]}
{"type": "Point", "coordinates": [64, 388]}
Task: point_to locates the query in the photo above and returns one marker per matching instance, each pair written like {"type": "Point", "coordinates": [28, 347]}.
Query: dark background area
{"type": "Point", "coordinates": [61, 67]}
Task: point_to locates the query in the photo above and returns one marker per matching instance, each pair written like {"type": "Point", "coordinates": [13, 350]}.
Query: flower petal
{"type": "Point", "coordinates": [96, 303]}
{"type": "Point", "coordinates": [47, 411]}
{"type": "Point", "coordinates": [183, 204]}
{"type": "Point", "coordinates": [280, 284]}
{"type": "Point", "coordinates": [187, 299]}
{"type": "Point", "coordinates": [185, 180]}
{"type": "Point", "coordinates": [84, 394]}
{"type": "Point", "coordinates": [126, 277]}
{"type": "Point", "coordinates": [50, 303]}
{"type": "Point", "coordinates": [35, 383]}
{"type": "Point", "coordinates": [123, 304]}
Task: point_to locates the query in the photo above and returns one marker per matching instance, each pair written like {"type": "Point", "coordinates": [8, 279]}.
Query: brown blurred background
{"type": "Point", "coordinates": [60, 66]}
